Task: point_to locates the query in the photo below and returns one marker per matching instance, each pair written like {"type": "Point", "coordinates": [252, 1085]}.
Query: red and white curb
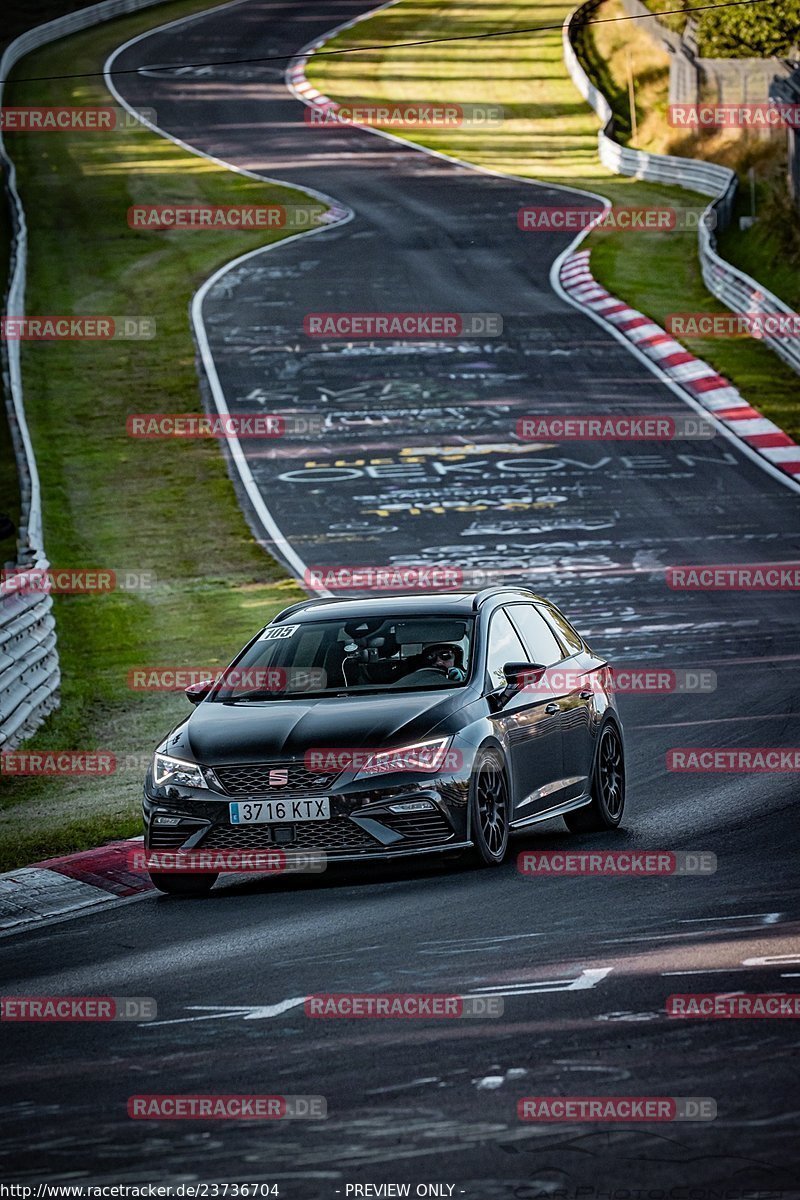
{"type": "Point", "coordinates": [700, 381]}
{"type": "Point", "coordinates": [90, 879]}
{"type": "Point", "coordinates": [298, 84]}
{"type": "Point", "coordinates": [297, 81]}
{"type": "Point", "coordinates": [296, 78]}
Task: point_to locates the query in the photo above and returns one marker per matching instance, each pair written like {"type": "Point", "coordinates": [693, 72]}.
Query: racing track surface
{"type": "Point", "coordinates": [589, 525]}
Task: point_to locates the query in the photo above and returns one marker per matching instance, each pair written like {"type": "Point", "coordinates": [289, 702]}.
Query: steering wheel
{"type": "Point", "coordinates": [421, 675]}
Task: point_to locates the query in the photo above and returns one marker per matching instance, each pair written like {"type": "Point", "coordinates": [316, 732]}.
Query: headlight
{"type": "Point", "coordinates": [421, 756]}
{"type": "Point", "coordinates": [167, 769]}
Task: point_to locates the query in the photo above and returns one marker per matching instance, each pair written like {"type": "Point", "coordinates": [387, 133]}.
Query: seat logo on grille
{"type": "Point", "coordinates": [278, 778]}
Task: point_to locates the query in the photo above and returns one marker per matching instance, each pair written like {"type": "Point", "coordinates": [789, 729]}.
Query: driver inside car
{"type": "Point", "coordinates": [447, 658]}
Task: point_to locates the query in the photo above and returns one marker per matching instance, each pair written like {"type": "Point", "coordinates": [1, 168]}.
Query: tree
{"type": "Point", "coordinates": [762, 30]}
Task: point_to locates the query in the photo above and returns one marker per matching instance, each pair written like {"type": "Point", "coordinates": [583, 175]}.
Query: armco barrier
{"type": "Point", "coordinates": [29, 673]}
{"type": "Point", "coordinates": [738, 291]}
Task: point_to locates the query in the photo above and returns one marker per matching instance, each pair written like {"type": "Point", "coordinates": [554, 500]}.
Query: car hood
{"type": "Point", "coordinates": [218, 734]}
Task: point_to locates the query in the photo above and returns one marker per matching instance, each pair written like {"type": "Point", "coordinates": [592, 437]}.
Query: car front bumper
{"type": "Point", "coordinates": [362, 824]}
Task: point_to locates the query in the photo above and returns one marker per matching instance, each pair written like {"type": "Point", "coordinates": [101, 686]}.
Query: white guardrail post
{"type": "Point", "coordinates": [29, 671]}
{"type": "Point", "coordinates": [733, 287]}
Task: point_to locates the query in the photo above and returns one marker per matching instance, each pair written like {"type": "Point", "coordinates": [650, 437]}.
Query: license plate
{"type": "Point", "coordinates": [271, 812]}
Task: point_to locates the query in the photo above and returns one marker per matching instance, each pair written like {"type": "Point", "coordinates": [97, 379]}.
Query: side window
{"type": "Point", "coordinates": [504, 646]}
{"type": "Point", "coordinates": [568, 635]}
{"type": "Point", "coordinates": [542, 643]}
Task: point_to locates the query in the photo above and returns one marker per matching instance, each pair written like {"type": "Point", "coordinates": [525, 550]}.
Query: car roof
{"type": "Point", "coordinates": [341, 608]}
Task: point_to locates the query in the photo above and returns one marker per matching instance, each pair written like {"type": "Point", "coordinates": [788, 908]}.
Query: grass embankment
{"type": "Point", "coordinates": [9, 481]}
{"type": "Point", "coordinates": [770, 249]}
{"type": "Point", "coordinates": [166, 507]}
{"type": "Point", "coordinates": [549, 134]}
{"type": "Point", "coordinates": [15, 22]}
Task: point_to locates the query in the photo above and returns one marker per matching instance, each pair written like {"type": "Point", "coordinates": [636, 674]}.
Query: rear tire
{"type": "Point", "coordinates": [608, 788]}
{"type": "Point", "coordinates": [489, 807]}
{"type": "Point", "coordinates": [194, 884]}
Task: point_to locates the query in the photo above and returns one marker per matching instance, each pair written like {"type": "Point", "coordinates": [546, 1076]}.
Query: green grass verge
{"type": "Point", "coordinates": [16, 21]}
{"type": "Point", "coordinates": [9, 480]}
{"type": "Point", "coordinates": [549, 134]}
{"type": "Point", "coordinates": [164, 507]}
{"type": "Point", "coordinates": [9, 491]}
{"type": "Point", "coordinates": [770, 249]}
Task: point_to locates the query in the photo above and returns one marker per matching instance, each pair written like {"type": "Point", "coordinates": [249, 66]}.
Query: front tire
{"type": "Point", "coordinates": [190, 884]}
{"type": "Point", "coordinates": [489, 809]}
{"type": "Point", "coordinates": [608, 788]}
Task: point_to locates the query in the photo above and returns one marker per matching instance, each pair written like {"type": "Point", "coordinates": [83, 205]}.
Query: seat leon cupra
{"type": "Point", "coordinates": [388, 727]}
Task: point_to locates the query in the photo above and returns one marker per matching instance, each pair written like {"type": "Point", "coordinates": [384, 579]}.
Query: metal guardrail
{"type": "Point", "coordinates": [740, 292]}
{"type": "Point", "coordinates": [29, 670]}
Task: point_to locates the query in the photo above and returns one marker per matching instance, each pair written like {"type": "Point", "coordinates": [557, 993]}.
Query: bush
{"type": "Point", "coordinates": [763, 31]}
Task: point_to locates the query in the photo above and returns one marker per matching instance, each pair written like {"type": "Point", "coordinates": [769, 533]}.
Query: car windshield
{"type": "Point", "coordinates": [335, 657]}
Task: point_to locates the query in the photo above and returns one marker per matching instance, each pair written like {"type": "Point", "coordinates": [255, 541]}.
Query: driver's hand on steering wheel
{"type": "Point", "coordinates": [443, 659]}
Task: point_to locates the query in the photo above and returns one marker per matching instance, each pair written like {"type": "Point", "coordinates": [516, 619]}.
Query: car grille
{"type": "Point", "coordinates": [252, 779]}
{"type": "Point", "coordinates": [335, 836]}
{"type": "Point", "coordinates": [164, 837]}
{"type": "Point", "coordinates": [425, 827]}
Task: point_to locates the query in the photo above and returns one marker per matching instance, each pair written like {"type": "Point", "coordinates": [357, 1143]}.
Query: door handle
{"type": "Point", "coordinates": [552, 707]}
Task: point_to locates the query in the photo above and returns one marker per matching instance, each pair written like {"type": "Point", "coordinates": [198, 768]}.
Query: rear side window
{"type": "Point", "coordinates": [542, 644]}
{"type": "Point", "coordinates": [568, 635]}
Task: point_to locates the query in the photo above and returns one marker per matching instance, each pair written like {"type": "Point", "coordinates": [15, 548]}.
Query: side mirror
{"type": "Point", "coordinates": [518, 675]}
{"type": "Point", "coordinates": [523, 674]}
{"type": "Point", "coordinates": [196, 692]}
